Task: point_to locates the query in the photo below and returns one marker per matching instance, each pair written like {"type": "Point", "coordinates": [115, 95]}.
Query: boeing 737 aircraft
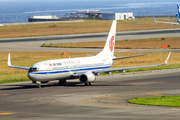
{"type": "Point", "coordinates": [84, 68]}
{"type": "Point", "coordinates": [177, 21]}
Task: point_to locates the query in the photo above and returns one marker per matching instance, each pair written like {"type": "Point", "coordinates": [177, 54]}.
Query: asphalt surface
{"type": "Point", "coordinates": [34, 43]}
{"type": "Point", "coordinates": [105, 99]}
{"type": "Point", "coordinates": [93, 35]}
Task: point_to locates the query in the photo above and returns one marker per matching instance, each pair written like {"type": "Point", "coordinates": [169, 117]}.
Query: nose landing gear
{"type": "Point", "coordinates": [38, 84]}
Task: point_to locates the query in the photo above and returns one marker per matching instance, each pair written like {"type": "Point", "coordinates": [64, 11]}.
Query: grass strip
{"type": "Point", "coordinates": [13, 80]}
{"type": "Point", "coordinates": [88, 26]}
{"type": "Point", "coordinates": [169, 66]}
{"type": "Point", "coordinates": [151, 43]}
{"type": "Point", "coordinates": [173, 101]}
{"type": "Point", "coordinates": [27, 59]}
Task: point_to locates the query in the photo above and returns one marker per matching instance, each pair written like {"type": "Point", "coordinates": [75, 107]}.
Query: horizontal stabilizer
{"type": "Point", "coordinates": [127, 68]}
{"type": "Point", "coordinates": [129, 56]}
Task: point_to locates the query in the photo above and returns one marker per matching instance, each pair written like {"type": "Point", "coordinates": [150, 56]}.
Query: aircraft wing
{"type": "Point", "coordinates": [129, 56]}
{"type": "Point", "coordinates": [172, 20]}
{"type": "Point", "coordinates": [18, 67]}
{"type": "Point", "coordinates": [166, 22]}
{"type": "Point", "coordinates": [127, 68]}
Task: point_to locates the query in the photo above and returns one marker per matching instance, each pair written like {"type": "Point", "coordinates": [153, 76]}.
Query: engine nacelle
{"type": "Point", "coordinates": [87, 77]}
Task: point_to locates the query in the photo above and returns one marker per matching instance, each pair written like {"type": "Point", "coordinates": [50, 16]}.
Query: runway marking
{"type": "Point", "coordinates": [73, 116]}
{"type": "Point", "coordinates": [84, 100]}
{"type": "Point", "coordinates": [154, 94]}
{"type": "Point", "coordinates": [94, 100]}
{"type": "Point", "coordinates": [176, 108]}
{"type": "Point", "coordinates": [113, 97]}
{"type": "Point", "coordinates": [122, 105]}
{"type": "Point", "coordinates": [109, 103]}
{"type": "Point", "coordinates": [4, 94]}
{"type": "Point", "coordinates": [6, 113]}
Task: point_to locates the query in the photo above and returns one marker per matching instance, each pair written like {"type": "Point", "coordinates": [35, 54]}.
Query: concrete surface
{"type": "Point", "coordinates": [105, 99]}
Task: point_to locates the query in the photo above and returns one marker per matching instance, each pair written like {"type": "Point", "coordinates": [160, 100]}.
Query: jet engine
{"type": "Point", "coordinates": [87, 77]}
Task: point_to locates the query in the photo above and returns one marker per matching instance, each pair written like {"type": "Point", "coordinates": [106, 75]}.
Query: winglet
{"type": "Point", "coordinates": [167, 58]}
{"type": "Point", "coordinates": [154, 19]}
{"type": "Point", "coordinates": [9, 60]}
{"type": "Point", "coordinates": [18, 67]}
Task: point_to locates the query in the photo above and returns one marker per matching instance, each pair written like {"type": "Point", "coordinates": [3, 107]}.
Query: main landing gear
{"type": "Point", "coordinates": [88, 83]}
{"type": "Point", "coordinates": [62, 82]}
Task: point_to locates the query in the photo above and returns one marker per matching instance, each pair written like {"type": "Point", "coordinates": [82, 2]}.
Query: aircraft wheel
{"type": "Point", "coordinates": [90, 83]}
{"type": "Point", "coordinates": [86, 84]}
{"type": "Point", "coordinates": [64, 82]}
{"type": "Point", "coordinates": [38, 86]}
{"type": "Point", "coordinates": [60, 82]}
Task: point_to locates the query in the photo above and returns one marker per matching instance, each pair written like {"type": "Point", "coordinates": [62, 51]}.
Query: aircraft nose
{"type": "Point", "coordinates": [30, 76]}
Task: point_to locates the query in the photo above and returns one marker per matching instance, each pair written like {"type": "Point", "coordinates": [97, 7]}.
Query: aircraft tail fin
{"type": "Point", "coordinates": [110, 42]}
{"type": "Point", "coordinates": [178, 12]}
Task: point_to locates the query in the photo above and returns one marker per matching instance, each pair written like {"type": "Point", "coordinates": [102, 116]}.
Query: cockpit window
{"type": "Point", "coordinates": [33, 70]}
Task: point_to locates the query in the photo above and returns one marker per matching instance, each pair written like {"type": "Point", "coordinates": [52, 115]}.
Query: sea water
{"type": "Point", "coordinates": [16, 11]}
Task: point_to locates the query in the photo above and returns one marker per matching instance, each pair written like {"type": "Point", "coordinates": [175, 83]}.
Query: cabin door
{"type": "Point", "coordinates": [47, 68]}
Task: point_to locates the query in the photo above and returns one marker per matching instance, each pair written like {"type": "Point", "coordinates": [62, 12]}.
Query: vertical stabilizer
{"type": "Point", "coordinates": [178, 12]}
{"type": "Point", "coordinates": [110, 42]}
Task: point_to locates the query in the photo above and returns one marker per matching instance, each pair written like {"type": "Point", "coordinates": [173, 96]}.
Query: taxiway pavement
{"type": "Point", "coordinates": [105, 99]}
{"type": "Point", "coordinates": [34, 43]}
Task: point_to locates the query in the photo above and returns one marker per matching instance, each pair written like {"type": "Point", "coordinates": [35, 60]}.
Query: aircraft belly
{"type": "Point", "coordinates": [39, 77]}
{"type": "Point", "coordinates": [59, 76]}
{"type": "Point", "coordinates": [48, 76]}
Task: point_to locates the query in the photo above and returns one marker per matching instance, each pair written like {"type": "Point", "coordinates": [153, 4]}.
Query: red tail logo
{"type": "Point", "coordinates": [111, 43]}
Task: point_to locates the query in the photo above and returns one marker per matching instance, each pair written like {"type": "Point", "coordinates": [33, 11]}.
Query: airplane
{"type": "Point", "coordinates": [177, 21]}
{"type": "Point", "coordinates": [84, 68]}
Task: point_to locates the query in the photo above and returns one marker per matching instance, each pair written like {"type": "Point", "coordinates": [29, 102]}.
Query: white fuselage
{"type": "Point", "coordinates": [84, 68]}
{"type": "Point", "coordinates": [64, 68]}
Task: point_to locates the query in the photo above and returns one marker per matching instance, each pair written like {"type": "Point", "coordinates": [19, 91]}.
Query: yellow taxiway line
{"type": "Point", "coordinates": [6, 113]}
{"type": "Point", "coordinates": [154, 94]}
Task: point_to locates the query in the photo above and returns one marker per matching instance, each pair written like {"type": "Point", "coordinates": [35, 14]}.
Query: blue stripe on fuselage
{"type": "Point", "coordinates": [70, 70]}
{"type": "Point", "coordinates": [84, 69]}
{"type": "Point", "coordinates": [50, 72]}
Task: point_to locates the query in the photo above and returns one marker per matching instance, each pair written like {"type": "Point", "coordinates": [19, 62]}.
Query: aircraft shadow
{"type": "Point", "coordinates": [48, 85]}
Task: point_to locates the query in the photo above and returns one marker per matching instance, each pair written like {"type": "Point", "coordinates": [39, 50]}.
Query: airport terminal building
{"type": "Point", "coordinates": [83, 14]}
{"type": "Point", "coordinates": [117, 16]}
